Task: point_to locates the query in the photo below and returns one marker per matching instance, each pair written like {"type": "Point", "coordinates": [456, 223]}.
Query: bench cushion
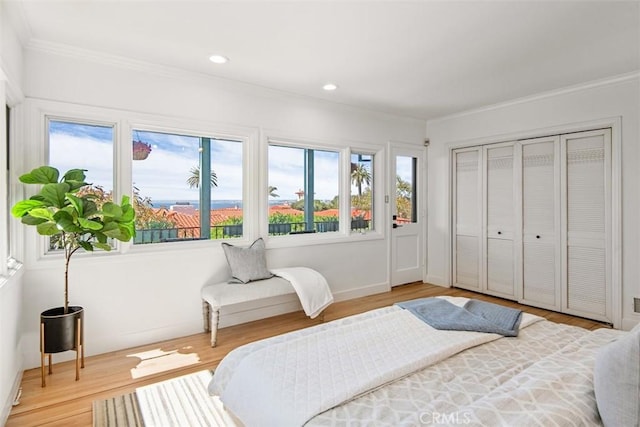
{"type": "Point", "coordinates": [223, 294]}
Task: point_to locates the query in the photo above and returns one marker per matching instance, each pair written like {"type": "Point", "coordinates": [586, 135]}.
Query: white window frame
{"type": "Point", "coordinates": [4, 185]}
{"type": "Point", "coordinates": [245, 136]}
{"type": "Point", "coordinates": [345, 233]}
{"type": "Point", "coordinates": [377, 185]}
{"type": "Point", "coordinates": [44, 249]}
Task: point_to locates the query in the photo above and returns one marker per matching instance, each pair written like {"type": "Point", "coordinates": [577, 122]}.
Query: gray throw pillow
{"type": "Point", "coordinates": [247, 264]}
{"type": "Point", "coordinates": [616, 380]}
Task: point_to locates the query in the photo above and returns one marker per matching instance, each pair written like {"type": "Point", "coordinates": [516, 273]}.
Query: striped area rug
{"type": "Point", "coordinates": [179, 402]}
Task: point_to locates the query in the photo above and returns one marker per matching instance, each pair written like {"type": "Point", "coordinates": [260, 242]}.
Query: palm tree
{"type": "Point", "coordinates": [272, 191]}
{"type": "Point", "coordinates": [194, 179]}
{"type": "Point", "coordinates": [360, 175]}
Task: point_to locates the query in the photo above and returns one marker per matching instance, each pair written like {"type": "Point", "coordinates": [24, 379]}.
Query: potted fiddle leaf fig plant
{"type": "Point", "coordinates": [73, 217]}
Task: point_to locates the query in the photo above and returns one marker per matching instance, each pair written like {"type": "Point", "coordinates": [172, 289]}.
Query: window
{"type": "Point", "coordinates": [303, 190]}
{"type": "Point", "coordinates": [5, 234]}
{"type": "Point", "coordinates": [406, 184]}
{"type": "Point", "coordinates": [75, 145]}
{"type": "Point", "coordinates": [186, 187]}
{"type": "Point", "coordinates": [361, 192]}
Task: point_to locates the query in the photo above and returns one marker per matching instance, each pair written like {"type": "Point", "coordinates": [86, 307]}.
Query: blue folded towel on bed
{"type": "Point", "coordinates": [475, 315]}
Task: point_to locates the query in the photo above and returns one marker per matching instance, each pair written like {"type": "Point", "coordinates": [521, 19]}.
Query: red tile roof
{"type": "Point", "coordinates": [185, 220]}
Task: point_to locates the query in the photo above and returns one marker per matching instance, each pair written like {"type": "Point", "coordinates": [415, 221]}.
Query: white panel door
{"type": "Point", "coordinates": [586, 288]}
{"type": "Point", "coordinates": [407, 247]}
{"type": "Point", "coordinates": [541, 222]}
{"type": "Point", "coordinates": [500, 208]}
{"type": "Point", "coordinates": [467, 221]}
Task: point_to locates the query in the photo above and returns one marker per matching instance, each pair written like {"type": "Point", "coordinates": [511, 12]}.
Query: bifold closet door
{"type": "Point", "coordinates": [467, 203]}
{"type": "Point", "coordinates": [541, 222]}
{"type": "Point", "coordinates": [500, 208]}
{"type": "Point", "coordinates": [586, 288]}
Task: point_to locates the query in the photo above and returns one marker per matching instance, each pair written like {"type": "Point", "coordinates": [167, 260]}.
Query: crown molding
{"type": "Point", "coordinates": [608, 81]}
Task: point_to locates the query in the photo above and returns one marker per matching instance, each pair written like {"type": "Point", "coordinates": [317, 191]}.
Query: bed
{"type": "Point", "coordinates": [386, 367]}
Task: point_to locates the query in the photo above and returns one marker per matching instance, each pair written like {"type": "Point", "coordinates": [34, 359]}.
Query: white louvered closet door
{"type": "Point", "coordinates": [541, 222]}
{"type": "Point", "coordinates": [500, 208]}
{"type": "Point", "coordinates": [586, 287]}
{"type": "Point", "coordinates": [467, 210]}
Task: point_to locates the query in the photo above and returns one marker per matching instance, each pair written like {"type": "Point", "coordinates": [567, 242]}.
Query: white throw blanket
{"type": "Point", "coordinates": [312, 288]}
{"type": "Point", "coordinates": [288, 383]}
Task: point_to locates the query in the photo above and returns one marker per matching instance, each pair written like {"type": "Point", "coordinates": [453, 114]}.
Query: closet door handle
{"type": "Point", "coordinates": [499, 232]}
{"type": "Point", "coordinates": [538, 236]}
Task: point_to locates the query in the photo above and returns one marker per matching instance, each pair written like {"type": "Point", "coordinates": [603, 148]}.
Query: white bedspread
{"type": "Point", "coordinates": [289, 382]}
{"type": "Point", "coordinates": [312, 288]}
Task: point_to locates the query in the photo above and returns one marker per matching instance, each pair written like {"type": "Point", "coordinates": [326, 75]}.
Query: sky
{"type": "Point", "coordinates": [163, 175]}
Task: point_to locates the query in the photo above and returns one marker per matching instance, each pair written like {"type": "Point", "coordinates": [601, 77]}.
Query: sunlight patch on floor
{"type": "Point", "coordinates": [157, 360]}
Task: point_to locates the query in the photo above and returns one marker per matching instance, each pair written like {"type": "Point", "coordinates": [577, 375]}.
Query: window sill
{"type": "Point", "coordinates": [299, 240]}
{"type": "Point", "coordinates": [14, 270]}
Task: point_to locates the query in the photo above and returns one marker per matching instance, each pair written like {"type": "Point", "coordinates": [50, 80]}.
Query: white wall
{"type": "Point", "coordinates": [619, 97]}
{"type": "Point", "coordinates": [11, 283]}
{"type": "Point", "coordinates": [136, 298]}
{"type": "Point", "coordinates": [10, 341]}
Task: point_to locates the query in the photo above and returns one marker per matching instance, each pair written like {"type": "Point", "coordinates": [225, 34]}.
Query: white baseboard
{"type": "Point", "coordinates": [6, 408]}
{"type": "Point", "coordinates": [362, 291]}
{"type": "Point", "coordinates": [629, 323]}
{"type": "Point", "coordinates": [436, 280]}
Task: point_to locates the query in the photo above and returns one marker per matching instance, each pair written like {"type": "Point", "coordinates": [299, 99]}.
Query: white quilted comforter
{"type": "Point", "coordinates": [289, 382]}
{"type": "Point", "coordinates": [541, 378]}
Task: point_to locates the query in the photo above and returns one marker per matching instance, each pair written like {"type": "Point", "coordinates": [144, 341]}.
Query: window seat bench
{"type": "Point", "coordinates": [220, 295]}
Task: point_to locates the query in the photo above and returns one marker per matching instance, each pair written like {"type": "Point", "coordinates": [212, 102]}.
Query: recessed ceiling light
{"type": "Point", "coordinates": [330, 86]}
{"type": "Point", "coordinates": [218, 59]}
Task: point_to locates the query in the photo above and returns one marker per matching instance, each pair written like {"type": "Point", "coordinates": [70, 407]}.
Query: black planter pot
{"type": "Point", "coordinates": [60, 332]}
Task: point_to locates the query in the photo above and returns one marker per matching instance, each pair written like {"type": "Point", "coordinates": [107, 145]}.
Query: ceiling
{"type": "Point", "coordinates": [421, 59]}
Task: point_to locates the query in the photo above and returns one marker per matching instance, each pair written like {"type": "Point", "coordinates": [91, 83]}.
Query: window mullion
{"type": "Point", "coordinates": [205, 188]}
{"type": "Point", "coordinates": [308, 189]}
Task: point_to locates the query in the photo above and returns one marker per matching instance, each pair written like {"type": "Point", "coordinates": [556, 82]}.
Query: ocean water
{"type": "Point", "coordinates": [215, 204]}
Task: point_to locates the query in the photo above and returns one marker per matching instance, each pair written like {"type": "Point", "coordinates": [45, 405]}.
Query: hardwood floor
{"type": "Point", "coordinates": [65, 402]}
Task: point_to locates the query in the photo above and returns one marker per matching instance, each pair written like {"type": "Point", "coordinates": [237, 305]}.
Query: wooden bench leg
{"type": "Point", "coordinates": [215, 318]}
{"type": "Point", "coordinates": [205, 315]}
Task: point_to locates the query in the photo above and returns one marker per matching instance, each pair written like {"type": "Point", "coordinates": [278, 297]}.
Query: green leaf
{"type": "Point", "coordinates": [109, 226]}
{"type": "Point", "coordinates": [29, 220]}
{"type": "Point", "coordinates": [102, 238]}
{"type": "Point", "coordinates": [86, 245]}
{"type": "Point", "coordinates": [65, 221]}
{"type": "Point", "coordinates": [90, 225]}
{"type": "Point", "coordinates": [76, 202]}
{"type": "Point", "coordinates": [112, 210]}
{"type": "Point", "coordinates": [125, 234]}
{"type": "Point", "coordinates": [43, 213]}
{"type": "Point", "coordinates": [90, 208]}
{"type": "Point", "coordinates": [41, 175]}
{"type": "Point", "coordinates": [47, 229]}
{"type": "Point", "coordinates": [22, 208]}
{"type": "Point", "coordinates": [54, 194]}
{"type": "Point", "coordinates": [103, 246]}
{"type": "Point", "coordinates": [75, 175]}
{"type": "Point", "coordinates": [112, 230]}
{"type": "Point", "coordinates": [128, 215]}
